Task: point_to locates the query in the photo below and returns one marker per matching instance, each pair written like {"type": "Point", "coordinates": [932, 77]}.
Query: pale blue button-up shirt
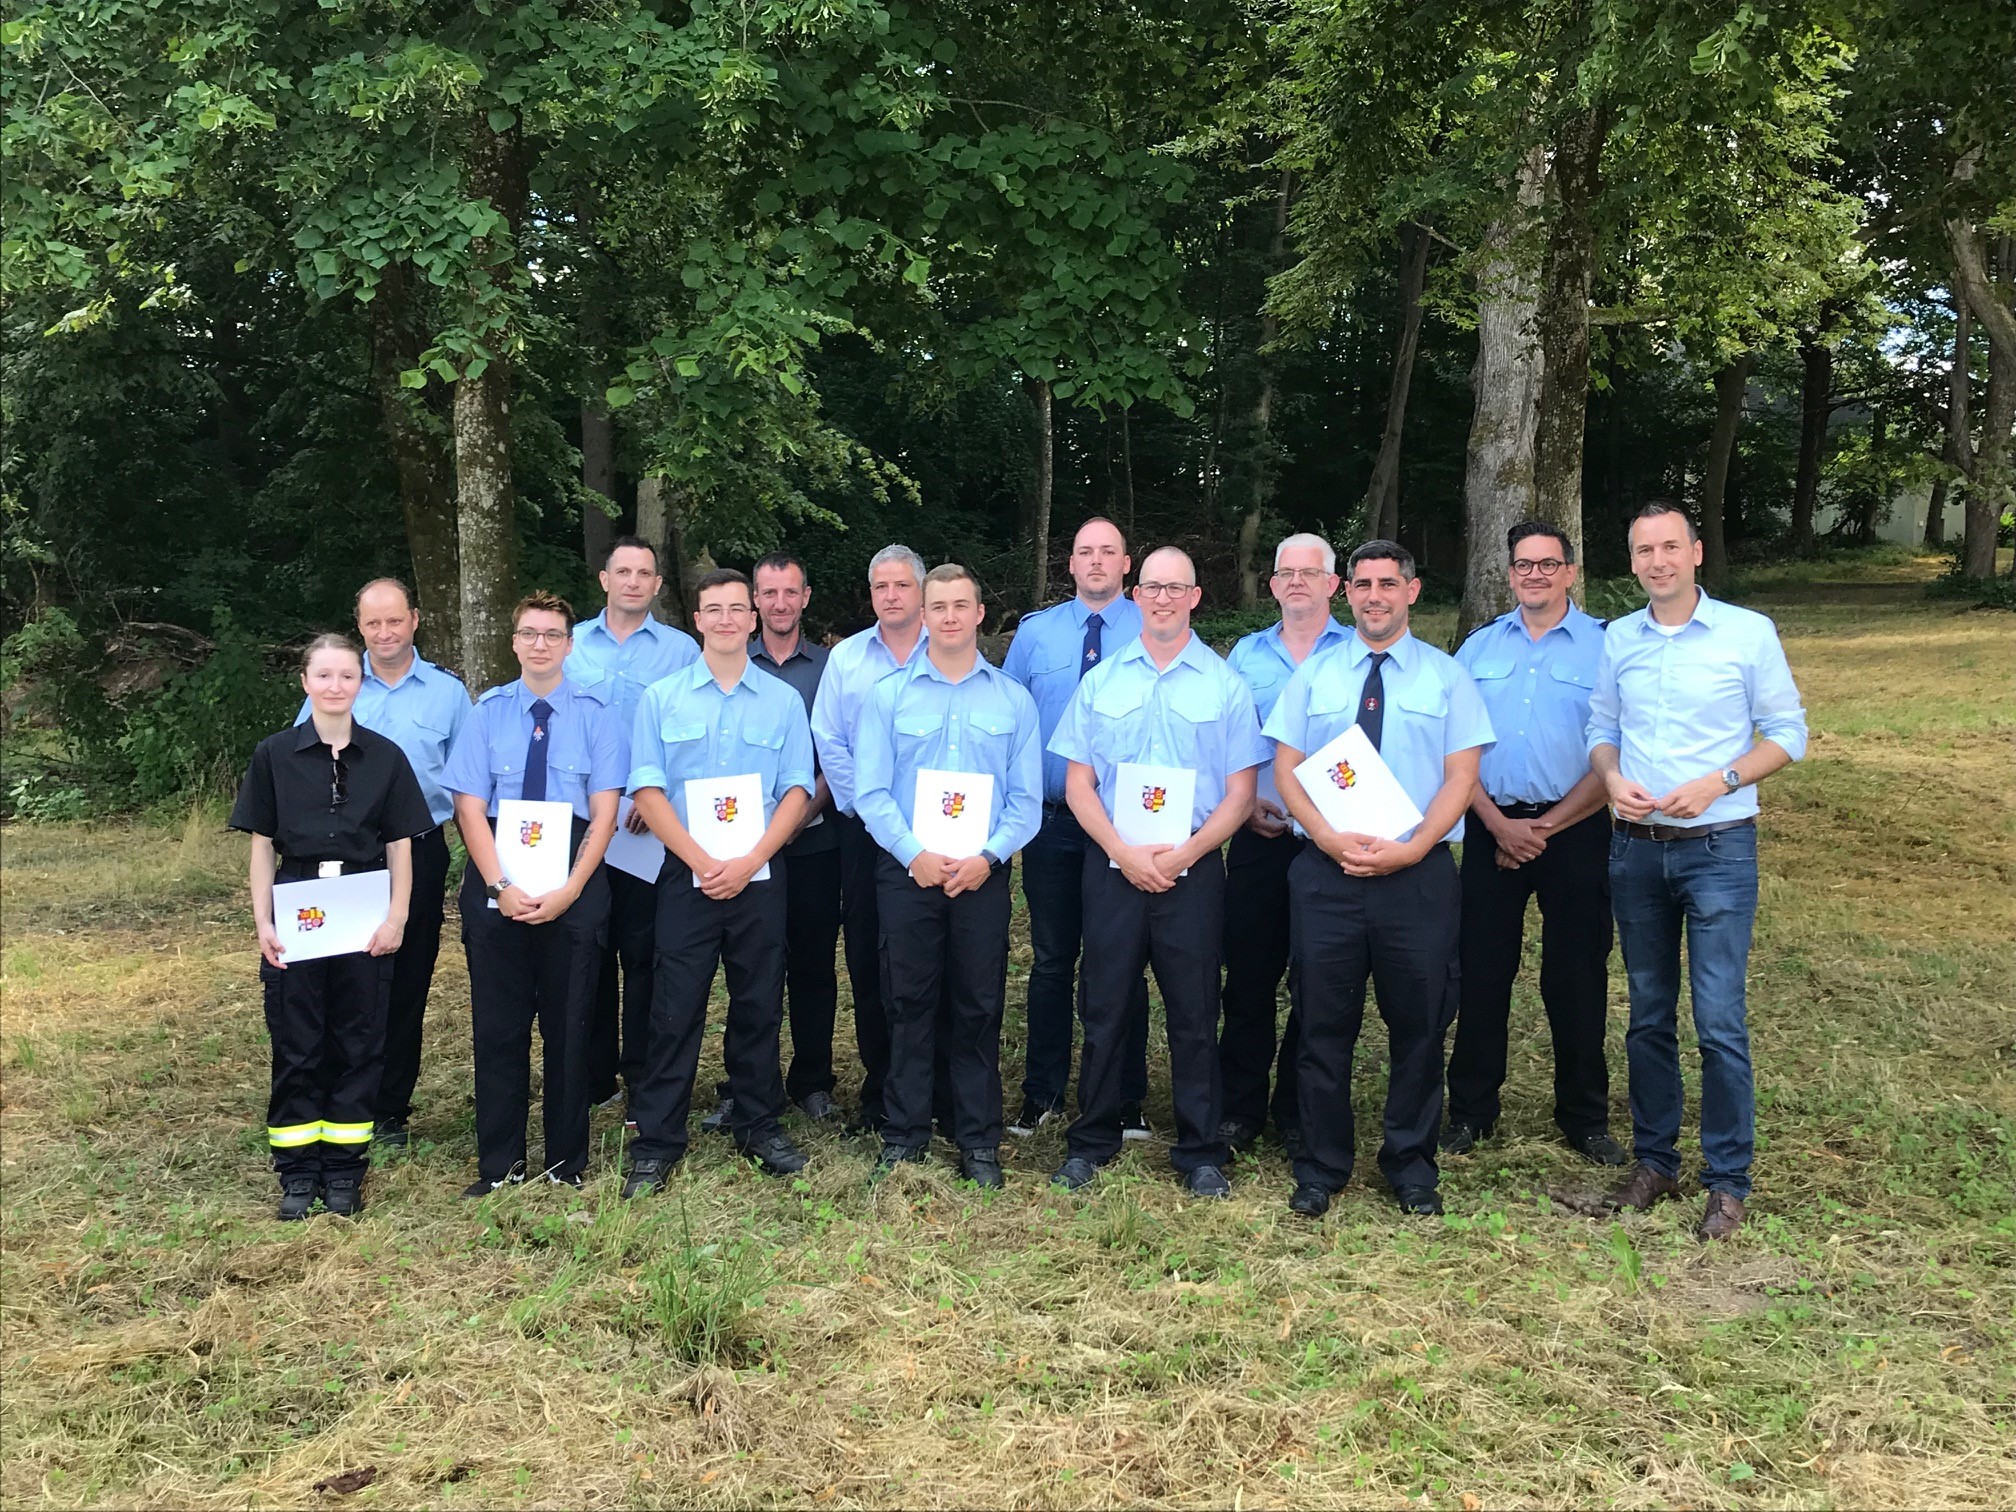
{"type": "Point", "coordinates": [621, 670]}
{"type": "Point", "coordinates": [853, 668]}
{"type": "Point", "coordinates": [1687, 705]}
{"type": "Point", "coordinates": [686, 727]}
{"type": "Point", "coordinates": [1264, 661]}
{"type": "Point", "coordinates": [1537, 693]}
{"type": "Point", "coordinates": [1045, 657]}
{"type": "Point", "coordinates": [421, 714]}
{"type": "Point", "coordinates": [585, 754]}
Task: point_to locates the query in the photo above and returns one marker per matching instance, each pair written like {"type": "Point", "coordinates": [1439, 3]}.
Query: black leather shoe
{"type": "Point", "coordinates": [1599, 1149]}
{"type": "Point", "coordinates": [1238, 1133]}
{"type": "Point", "coordinates": [297, 1195]}
{"type": "Point", "coordinates": [343, 1195]}
{"type": "Point", "coordinates": [1460, 1138]}
{"type": "Point", "coordinates": [1419, 1201]}
{"type": "Point", "coordinates": [894, 1155]}
{"type": "Point", "coordinates": [483, 1186]}
{"type": "Point", "coordinates": [645, 1177]}
{"type": "Point", "coordinates": [390, 1134]}
{"type": "Point", "coordinates": [1073, 1174]}
{"type": "Point", "coordinates": [818, 1107]}
{"type": "Point", "coordinates": [1207, 1181]}
{"type": "Point", "coordinates": [717, 1121]}
{"type": "Point", "coordinates": [982, 1168]}
{"type": "Point", "coordinates": [776, 1156]}
{"type": "Point", "coordinates": [1310, 1201]}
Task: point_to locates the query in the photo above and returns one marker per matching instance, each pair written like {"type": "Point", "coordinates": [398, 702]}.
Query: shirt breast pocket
{"type": "Point", "coordinates": [991, 730]}
{"type": "Point", "coordinates": [1491, 671]}
{"type": "Point", "coordinates": [762, 746]}
{"type": "Point", "coordinates": [915, 733]}
{"type": "Point", "coordinates": [1430, 701]}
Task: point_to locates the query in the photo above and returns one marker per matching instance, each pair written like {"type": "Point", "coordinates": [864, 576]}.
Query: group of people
{"type": "Point", "coordinates": [1608, 771]}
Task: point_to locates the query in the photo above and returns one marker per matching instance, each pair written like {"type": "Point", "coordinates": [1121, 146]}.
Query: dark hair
{"type": "Point", "coordinates": [1382, 551]}
{"type": "Point", "coordinates": [329, 642]}
{"type": "Point", "coordinates": [1100, 520]}
{"type": "Point", "coordinates": [1525, 530]}
{"type": "Point", "coordinates": [1651, 509]}
{"type": "Point", "coordinates": [777, 561]}
{"type": "Point", "coordinates": [384, 582]}
{"type": "Point", "coordinates": [952, 572]}
{"type": "Point", "coordinates": [629, 543]}
{"type": "Point", "coordinates": [721, 577]}
{"type": "Point", "coordinates": [546, 603]}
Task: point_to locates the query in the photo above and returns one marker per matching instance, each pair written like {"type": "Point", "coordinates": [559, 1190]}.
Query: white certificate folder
{"type": "Point", "coordinates": [724, 815]}
{"type": "Point", "coordinates": [535, 844]}
{"type": "Point", "coordinates": [330, 916]}
{"type": "Point", "coordinates": [1355, 791]}
{"type": "Point", "coordinates": [950, 812]}
{"type": "Point", "coordinates": [642, 856]}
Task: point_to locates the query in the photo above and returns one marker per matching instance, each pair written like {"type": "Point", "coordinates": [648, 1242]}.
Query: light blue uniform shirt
{"type": "Point", "coordinates": [1196, 713]}
{"type": "Point", "coordinates": [621, 670]}
{"type": "Point", "coordinates": [852, 670]}
{"type": "Point", "coordinates": [686, 727]}
{"type": "Point", "coordinates": [1689, 705]}
{"type": "Point", "coordinates": [1045, 658]}
{"type": "Point", "coordinates": [1432, 710]}
{"type": "Point", "coordinates": [584, 753]}
{"type": "Point", "coordinates": [421, 714]}
{"type": "Point", "coordinates": [1537, 693]}
{"type": "Point", "coordinates": [1264, 662]}
{"type": "Point", "coordinates": [986, 722]}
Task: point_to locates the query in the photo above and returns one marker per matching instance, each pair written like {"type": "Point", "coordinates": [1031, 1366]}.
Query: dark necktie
{"type": "Point", "coordinates": [1372, 702]}
{"type": "Point", "coordinates": [1093, 625]}
{"type": "Point", "coordinates": [535, 753]}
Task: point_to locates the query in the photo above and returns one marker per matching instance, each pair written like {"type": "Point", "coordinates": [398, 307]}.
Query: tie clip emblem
{"type": "Point", "coordinates": [538, 732]}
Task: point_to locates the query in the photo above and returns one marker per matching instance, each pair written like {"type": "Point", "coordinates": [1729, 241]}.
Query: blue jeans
{"type": "Point", "coordinates": [1709, 885]}
{"type": "Point", "coordinates": [1053, 871]}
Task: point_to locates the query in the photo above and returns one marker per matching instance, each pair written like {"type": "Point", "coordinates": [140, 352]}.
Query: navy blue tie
{"type": "Point", "coordinates": [535, 753]}
{"type": "Point", "coordinates": [1093, 625]}
{"type": "Point", "coordinates": [1372, 702]}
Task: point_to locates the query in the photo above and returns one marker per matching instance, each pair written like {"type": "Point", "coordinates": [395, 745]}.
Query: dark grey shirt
{"type": "Point", "coordinates": [802, 669]}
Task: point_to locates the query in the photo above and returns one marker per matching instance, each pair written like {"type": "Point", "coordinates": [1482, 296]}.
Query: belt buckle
{"type": "Point", "coordinates": [329, 869]}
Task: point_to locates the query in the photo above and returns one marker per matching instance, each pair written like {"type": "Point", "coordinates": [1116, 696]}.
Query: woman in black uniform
{"type": "Point", "coordinates": [330, 798]}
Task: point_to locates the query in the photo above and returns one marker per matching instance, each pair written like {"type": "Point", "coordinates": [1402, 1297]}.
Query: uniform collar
{"type": "Point", "coordinates": [1080, 611]}
{"type": "Point", "coordinates": [874, 633]}
{"type": "Point", "coordinates": [652, 627]}
{"type": "Point", "coordinates": [925, 667]}
{"type": "Point", "coordinates": [1576, 622]}
{"type": "Point", "coordinates": [1192, 653]}
{"type": "Point", "coordinates": [699, 675]}
{"type": "Point", "coordinates": [1402, 651]}
{"type": "Point", "coordinates": [759, 648]}
{"type": "Point", "coordinates": [421, 671]}
{"type": "Point", "coordinates": [1706, 610]}
{"type": "Point", "coordinates": [1328, 635]}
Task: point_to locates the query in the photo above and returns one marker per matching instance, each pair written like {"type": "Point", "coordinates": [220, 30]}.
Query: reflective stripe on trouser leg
{"type": "Point", "coordinates": [291, 1136]}
{"type": "Point", "coordinates": [346, 1133]}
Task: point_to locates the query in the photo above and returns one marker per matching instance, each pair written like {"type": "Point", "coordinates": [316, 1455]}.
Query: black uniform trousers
{"type": "Point", "coordinates": [860, 859]}
{"type": "Point", "coordinates": [413, 975]}
{"type": "Point", "coordinates": [1256, 955]}
{"type": "Point", "coordinates": [1179, 932]}
{"type": "Point", "coordinates": [617, 1034]}
{"type": "Point", "coordinates": [744, 936]}
{"type": "Point", "coordinates": [1571, 878]}
{"type": "Point", "coordinates": [326, 1019]}
{"type": "Point", "coordinates": [521, 974]}
{"type": "Point", "coordinates": [812, 927]}
{"type": "Point", "coordinates": [1400, 931]}
{"type": "Point", "coordinates": [947, 984]}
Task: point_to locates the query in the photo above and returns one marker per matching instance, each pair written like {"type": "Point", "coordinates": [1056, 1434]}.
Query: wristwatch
{"type": "Point", "coordinates": [993, 861]}
{"type": "Point", "coordinates": [495, 890]}
{"type": "Point", "coordinates": [1732, 779]}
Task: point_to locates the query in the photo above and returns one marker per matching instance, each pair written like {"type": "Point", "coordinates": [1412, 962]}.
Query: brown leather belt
{"type": "Point", "coordinates": [1665, 832]}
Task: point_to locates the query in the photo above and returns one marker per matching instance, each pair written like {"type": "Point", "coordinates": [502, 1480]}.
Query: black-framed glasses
{"type": "Point", "coordinates": [1162, 590]}
{"type": "Point", "coordinates": [339, 782]}
{"type": "Point", "coordinates": [1544, 566]}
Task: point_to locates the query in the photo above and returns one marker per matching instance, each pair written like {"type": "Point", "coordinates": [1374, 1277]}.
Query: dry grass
{"type": "Point", "coordinates": [742, 1341]}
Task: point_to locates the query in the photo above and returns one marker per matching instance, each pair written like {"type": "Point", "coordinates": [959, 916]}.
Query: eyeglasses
{"type": "Point", "coordinates": [1310, 575]}
{"type": "Point", "coordinates": [339, 782]}
{"type": "Point", "coordinates": [1162, 590]}
{"type": "Point", "coordinates": [1544, 566]}
{"type": "Point", "coordinates": [721, 611]}
{"type": "Point", "coordinates": [542, 637]}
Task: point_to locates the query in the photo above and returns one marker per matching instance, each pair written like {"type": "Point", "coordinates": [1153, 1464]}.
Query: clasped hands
{"type": "Point", "coordinates": [1690, 800]}
{"type": "Point", "coordinates": [933, 870]}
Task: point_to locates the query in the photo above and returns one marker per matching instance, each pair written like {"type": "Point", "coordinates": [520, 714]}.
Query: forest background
{"type": "Point", "coordinates": [295, 295]}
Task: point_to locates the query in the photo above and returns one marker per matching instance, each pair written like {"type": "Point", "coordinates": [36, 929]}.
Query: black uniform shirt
{"type": "Point", "coordinates": [802, 669]}
{"type": "Point", "coordinates": [290, 795]}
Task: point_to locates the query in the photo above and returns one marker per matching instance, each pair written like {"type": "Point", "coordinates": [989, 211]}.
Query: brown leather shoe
{"type": "Point", "coordinates": [1641, 1189]}
{"type": "Point", "coordinates": [1724, 1215]}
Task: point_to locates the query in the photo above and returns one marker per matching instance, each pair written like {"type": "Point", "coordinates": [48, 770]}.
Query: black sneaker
{"type": "Point", "coordinates": [776, 1156]}
{"type": "Point", "coordinates": [297, 1196]}
{"type": "Point", "coordinates": [1600, 1149]}
{"type": "Point", "coordinates": [982, 1168]}
{"type": "Point", "coordinates": [1074, 1173]}
{"type": "Point", "coordinates": [1419, 1201]}
{"type": "Point", "coordinates": [819, 1107]}
{"type": "Point", "coordinates": [1134, 1123]}
{"type": "Point", "coordinates": [576, 1181]}
{"type": "Point", "coordinates": [1207, 1181]}
{"type": "Point", "coordinates": [1238, 1133]}
{"type": "Point", "coordinates": [1460, 1138]}
{"type": "Point", "coordinates": [390, 1134]}
{"type": "Point", "coordinates": [483, 1186]}
{"type": "Point", "coordinates": [1032, 1117]}
{"type": "Point", "coordinates": [894, 1155]}
{"type": "Point", "coordinates": [1309, 1200]}
{"type": "Point", "coordinates": [343, 1195]}
{"type": "Point", "coordinates": [645, 1177]}
{"type": "Point", "coordinates": [717, 1121]}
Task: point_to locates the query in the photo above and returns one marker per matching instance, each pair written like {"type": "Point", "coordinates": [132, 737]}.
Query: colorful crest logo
{"type": "Point", "coordinates": [725, 810]}
{"type": "Point", "coordinates": [955, 805]}
{"type": "Point", "coordinates": [309, 918]}
{"type": "Point", "coordinates": [529, 831]}
{"type": "Point", "coordinates": [1154, 799]}
{"type": "Point", "coordinates": [1343, 776]}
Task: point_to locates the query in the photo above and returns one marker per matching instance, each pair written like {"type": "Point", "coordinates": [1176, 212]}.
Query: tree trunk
{"type": "Point", "coordinates": [1816, 389]}
{"type": "Point", "coordinates": [661, 521]}
{"type": "Point", "coordinates": [1731, 383]}
{"type": "Point", "coordinates": [1562, 324]}
{"type": "Point", "coordinates": [1263, 469]}
{"type": "Point", "coordinates": [1498, 470]}
{"type": "Point", "coordinates": [1382, 494]}
{"type": "Point", "coordinates": [1038, 390]}
{"type": "Point", "coordinates": [418, 442]}
{"type": "Point", "coordinates": [1959, 400]}
{"type": "Point", "coordinates": [1988, 494]}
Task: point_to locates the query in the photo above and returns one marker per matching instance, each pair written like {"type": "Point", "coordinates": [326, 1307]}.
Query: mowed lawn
{"type": "Point", "coordinates": [745, 1341]}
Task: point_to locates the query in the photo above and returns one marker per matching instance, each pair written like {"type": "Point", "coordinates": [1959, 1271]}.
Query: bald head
{"type": "Point", "coordinates": [1169, 564]}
